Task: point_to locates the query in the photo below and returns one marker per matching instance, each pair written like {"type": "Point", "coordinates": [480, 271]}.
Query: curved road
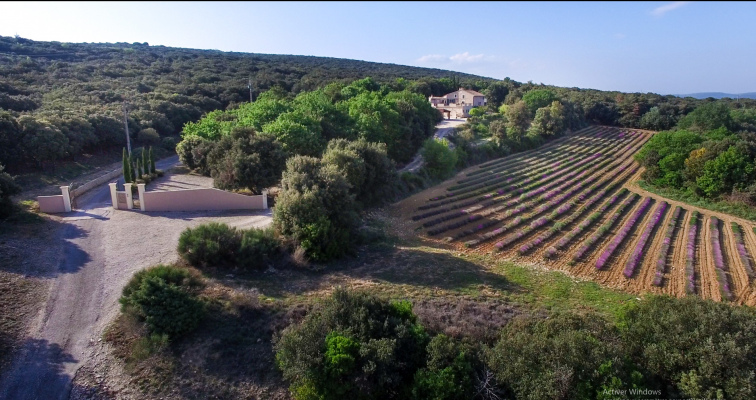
{"type": "Point", "coordinates": [81, 299]}
{"type": "Point", "coordinates": [443, 129]}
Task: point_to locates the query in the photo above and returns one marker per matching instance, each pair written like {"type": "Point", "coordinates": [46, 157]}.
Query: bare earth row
{"type": "Point", "coordinates": [573, 205]}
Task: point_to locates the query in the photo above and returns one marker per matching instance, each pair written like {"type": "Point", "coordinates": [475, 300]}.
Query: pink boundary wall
{"type": "Point", "coordinates": [200, 200]}
{"type": "Point", "coordinates": [51, 204]}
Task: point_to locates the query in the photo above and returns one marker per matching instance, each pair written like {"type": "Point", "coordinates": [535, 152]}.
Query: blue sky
{"type": "Point", "coordinates": [662, 47]}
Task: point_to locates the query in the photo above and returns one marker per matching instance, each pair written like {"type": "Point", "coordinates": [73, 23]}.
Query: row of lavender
{"type": "Point", "coordinates": [623, 233]}
{"type": "Point", "coordinates": [551, 251]}
{"type": "Point", "coordinates": [661, 261]}
{"type": "Point", "coordinates": [539, 164]}
{"type": "Point", "coordinates": [576, 138]}
{"type": "Point", "coordinates": [575, 185]}
{"type": "Point", "coordinates": [690, 249]}
{"type": "Point", "coordinates": [540, 160]}
{"type": "Point", "coordinates": [719, 261]}
{"type": "Point", "coordinates": [640, 246]}
{"type": "Point", "coordinates": [737, 233]}
{"type": "Point", "coordinates": [522, 176]}
{"type": "Point", "coordinates": [610, 180]}
{"type": "Point", "coordinates": [553, 203]}
{"type": "Point", "coordinates": [589, 243]}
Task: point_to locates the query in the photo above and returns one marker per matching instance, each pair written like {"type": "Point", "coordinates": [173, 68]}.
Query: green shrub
{"type": "Point", "coordinates": [439, 159]}
{"type": "Point", "coordinates": [257, 247]}
{"type": "Point", "coordinates": [168, 143]}
{"type": "Point", "coordinates": [315, 208]}
{"type": "Point", "coordinates": [211, 244]}
{"type": "Point", "coordinates": [354, 346]}
{"type": "Point", "coordinates": [563, 357]}
{"type": "Point", "coordinates": [193, 152]}
{"type": "Point", "coordinates": [162, 296]}
{"type": "Point", "coordinates": [149, 136]}
{"type": "Point", "coordinates": [372, 174]}
{"type": "Point", "coordinates": [448, 374]}
{"type": "Point", "coordinates": [8, 188]}
{"type": "Point", "coordinates": [412, 181]}
{"type": "Point", "coordinates": [704, 348]}
{"type": "Point", "coordinates": [245, 159]}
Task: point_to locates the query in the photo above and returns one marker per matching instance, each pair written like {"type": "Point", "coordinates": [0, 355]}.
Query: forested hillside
{"type": "Point", "coordinates": [61, 100]}
{"type": "Point", "coordinates": [58, 100]}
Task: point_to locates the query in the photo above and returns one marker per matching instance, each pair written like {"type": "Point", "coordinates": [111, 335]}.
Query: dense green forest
{"type": "Point", "coordinates": [710, 153]}
{"type": "Point", "coordinates": [61, 100]}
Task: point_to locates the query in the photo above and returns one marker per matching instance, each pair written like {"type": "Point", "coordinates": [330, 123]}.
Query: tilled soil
{"type": "Point", "coordinates": [674, 282]}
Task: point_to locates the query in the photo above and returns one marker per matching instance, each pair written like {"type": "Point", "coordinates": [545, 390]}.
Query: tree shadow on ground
{"type": "Point", "coordinates": [42, 250]}
{"type": "Point", "coordinates": [39, 373]}
{"type": "Point", "coordinates": [402, 270]}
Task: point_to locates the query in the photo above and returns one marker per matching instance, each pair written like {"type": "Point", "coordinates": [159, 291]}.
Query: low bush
{"type": "Point", "coordinates": [409, 182]}
{"type": "Point", "coordinates": [448, 374]}
{"type": "Point", "coordinates": [354, 346]}
{"type": "Point", "coordinates": [168, 143]}
{"type": "Point", "coordinates": [148, 136]}
{"type": "Point", "coordinates": [703, 348]}
{"type": "Point", "coordinates": [440, 160]}
{"type": "Point", "coordinates": [164, 298]}
{"type": "Point", "coordinates": [211, 244]}
{"type": "Point", "coordinates": [257, 247]}
{"type": "Point", "coordinates": [8, 188]}
{"type": "Point", "coordinates": [563, 357]}
{"type": "Point", "coordinates": [218, 245]}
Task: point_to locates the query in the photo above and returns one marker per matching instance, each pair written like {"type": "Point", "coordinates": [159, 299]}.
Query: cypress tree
{"type": "Point", "coordinates": [152, 162]}
{"type": "Point", "coordinates": [126, 172]}
{"type": "Point", "coordinates": [139, 168]}
{"type": "Point", "coordinates": [134, 170]}
{"type": "Point", "coordinates": [145, 166]}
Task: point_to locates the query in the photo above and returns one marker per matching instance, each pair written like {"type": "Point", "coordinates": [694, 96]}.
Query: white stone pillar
{"type": "Point", "coordinates": [265, 199]}
{"type": "Point", "coordinates": [140, 189]}
{"type": "Point", "coordinates": [113, 195]}
{"type": "Point", "coordinates": [129, 197]}
{"type": "Point", "coordinates": [66, 198]}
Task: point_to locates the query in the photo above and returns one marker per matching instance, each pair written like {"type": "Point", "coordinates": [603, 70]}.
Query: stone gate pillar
{"type": "Point", "coordinates": [113, 195]}
{"type": "Point", "coordinates": [66, 198]}
{"type": "Point", "coordinates": [140, 189]}
{"type": "Point", "coordinates": [129, 196]}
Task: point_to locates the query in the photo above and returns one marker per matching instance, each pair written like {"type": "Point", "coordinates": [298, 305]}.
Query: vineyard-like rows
{"type": "Point", "coordinates": [572, 205]}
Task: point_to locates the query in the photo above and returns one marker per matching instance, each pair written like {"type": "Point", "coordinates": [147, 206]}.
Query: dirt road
{"type": "Point", "coordinates": [443, 129]}
{"type": "Point", "coordinates": [102, 248]}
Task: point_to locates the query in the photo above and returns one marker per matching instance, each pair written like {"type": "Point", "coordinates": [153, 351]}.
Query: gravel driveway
{"type": "Point", "coordinates": [443, 129]}
{"type": "Point", "coordinates": [102, 248]}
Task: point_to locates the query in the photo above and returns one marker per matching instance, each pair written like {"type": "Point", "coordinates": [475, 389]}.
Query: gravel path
{"type": "Point", "coordinates": [102, 249]}
{"type": "Point", "coordinates": [443, 129]}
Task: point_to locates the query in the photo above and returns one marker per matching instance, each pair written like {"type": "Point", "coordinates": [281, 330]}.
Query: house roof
{"type": "Point", "coordinates": [474, 93]}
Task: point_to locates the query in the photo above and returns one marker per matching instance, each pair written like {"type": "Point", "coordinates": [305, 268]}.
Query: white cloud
{"type": "Point", "coordinates": [431, 58]}
{"type": "Point", "coordinates": [661, 10]}
{"type": "Point", "coordinates": [460, 58]}
{"type": "Point", "coordinates": [466, 57]}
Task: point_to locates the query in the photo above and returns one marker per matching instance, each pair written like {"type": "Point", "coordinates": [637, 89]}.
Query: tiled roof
{"type": "Point", "coordinates": [474, 93]}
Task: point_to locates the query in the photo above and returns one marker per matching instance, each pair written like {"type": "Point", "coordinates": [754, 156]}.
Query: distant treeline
{"type": "Point", "coordinates": [61, 100]}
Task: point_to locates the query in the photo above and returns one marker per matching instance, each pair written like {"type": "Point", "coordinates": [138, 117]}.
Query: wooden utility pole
{"type": "Point", "coordinates": [249, 85]}
{"type": "Point", "coordinates": [126, 126]}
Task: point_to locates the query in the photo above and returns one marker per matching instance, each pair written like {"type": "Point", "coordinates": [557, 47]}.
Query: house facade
{"type": "Point", "coordinates": [458, 104]}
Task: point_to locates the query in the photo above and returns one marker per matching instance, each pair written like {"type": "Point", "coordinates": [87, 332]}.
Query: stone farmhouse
{"type": "Point", "coordinates": [458, 104]}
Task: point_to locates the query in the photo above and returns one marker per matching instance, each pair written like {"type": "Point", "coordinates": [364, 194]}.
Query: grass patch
{"type": "Point", "coordinates": [557, 291]}
{"type": "Point", "coordinates": [736, 209]}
